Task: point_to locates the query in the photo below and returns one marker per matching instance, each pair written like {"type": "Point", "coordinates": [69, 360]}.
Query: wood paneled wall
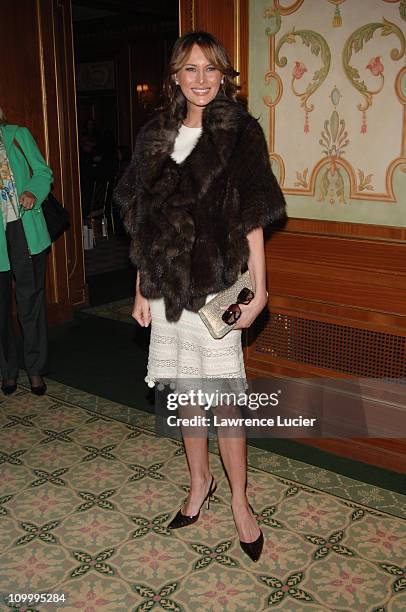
{"type": "Point", "coordinates": [337, 305]}
{"type": "Point", "coordinates": [37, 90]}
{"type": "Point", "coordinates": [228, 21]}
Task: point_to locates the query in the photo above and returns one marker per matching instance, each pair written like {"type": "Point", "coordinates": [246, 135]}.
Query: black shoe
{"type": "Point", "coordinates": [182, 520]}
{"type": "Point", "coordinates": [8, 389]}
{"type": "Point", "coordinates": [253, 549]}
{"type": "Point", "coordinates": [40, 390]}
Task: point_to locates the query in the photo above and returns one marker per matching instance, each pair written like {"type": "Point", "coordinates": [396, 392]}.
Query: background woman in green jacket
{"type": "Point", "coordinates": [25, 181]}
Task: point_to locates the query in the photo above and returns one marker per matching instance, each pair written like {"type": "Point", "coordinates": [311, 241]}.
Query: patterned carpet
{"type": "Point", "coordinates": [118, 311]}
{"type": "Point", "coordinates": [86, 490]}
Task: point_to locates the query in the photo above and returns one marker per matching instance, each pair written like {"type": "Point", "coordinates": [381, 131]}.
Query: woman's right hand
{"type": "Point", "coordinates": [141, 311]}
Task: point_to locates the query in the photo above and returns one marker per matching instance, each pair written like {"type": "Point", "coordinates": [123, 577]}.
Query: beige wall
{"type": "Point", "coordinates": [328, 80]}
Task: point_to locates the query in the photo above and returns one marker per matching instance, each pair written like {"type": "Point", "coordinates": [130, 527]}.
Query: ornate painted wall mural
{"type": "Point", "coordinates": [327, 78]}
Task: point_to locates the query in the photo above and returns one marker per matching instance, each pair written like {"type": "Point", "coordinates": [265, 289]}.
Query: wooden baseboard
{"type": "Point", "coordinates": [383, 403]}
{"type": "Point", "coordinates": [384, 453]}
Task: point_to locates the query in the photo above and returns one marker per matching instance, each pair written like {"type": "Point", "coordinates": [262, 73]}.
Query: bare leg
{"type": "Point", "coordinates": [234, 455]}
{"type": "Point", "coordinates": [195, 441]}
{"type": "Point", "coordinates": [200, 478]}
{"type": "Point", "coordinates": [36, 380]}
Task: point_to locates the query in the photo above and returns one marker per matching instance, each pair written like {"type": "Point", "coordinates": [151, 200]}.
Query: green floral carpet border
{"type": "Point", "coordinates": [86, 491]}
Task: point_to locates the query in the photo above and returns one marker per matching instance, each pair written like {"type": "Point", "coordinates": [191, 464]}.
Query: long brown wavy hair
{"type": "Point", "coordinates": [213, 49]}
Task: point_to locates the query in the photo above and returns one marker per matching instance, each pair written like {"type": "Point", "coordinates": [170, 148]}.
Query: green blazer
{"type": "Point", "coordinates": [39, 184]}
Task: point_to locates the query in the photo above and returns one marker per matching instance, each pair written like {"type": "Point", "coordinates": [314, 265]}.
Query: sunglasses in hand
{"type": "Point", "coordinates": [233, 312]}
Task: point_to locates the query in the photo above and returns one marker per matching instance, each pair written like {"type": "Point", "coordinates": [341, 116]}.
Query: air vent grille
{"type": "Point", "coordinates": [346, 349]}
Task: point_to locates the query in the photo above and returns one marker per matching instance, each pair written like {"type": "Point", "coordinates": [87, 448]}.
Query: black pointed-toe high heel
{"type": "Point", "coordinates": [38, 389]}
{"type": "Point", "coordinates": [9, 388]}
{"type": "Point", "coordinates": [253, 549]}
{"type": "Point", "coordinates": [182, 520]}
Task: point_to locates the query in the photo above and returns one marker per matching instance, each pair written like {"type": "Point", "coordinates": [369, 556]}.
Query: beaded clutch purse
{"type": "Point", "coordinates": [224, 306]}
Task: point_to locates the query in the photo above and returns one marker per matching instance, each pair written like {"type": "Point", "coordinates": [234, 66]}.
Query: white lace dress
{"type": "Point", "coordinates": [185, 349]}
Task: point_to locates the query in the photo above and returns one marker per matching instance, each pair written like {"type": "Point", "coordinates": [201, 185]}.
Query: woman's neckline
{"type": "Point", "coordinates": [191, 128]}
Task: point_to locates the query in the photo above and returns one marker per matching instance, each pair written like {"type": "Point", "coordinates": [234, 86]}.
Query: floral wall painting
{"type": "Point", "coordinates": [319, 48]}
{"type": "Point", "coordinates": [327, 78]}
{"type": "Point", "coordinates": [355, 44]}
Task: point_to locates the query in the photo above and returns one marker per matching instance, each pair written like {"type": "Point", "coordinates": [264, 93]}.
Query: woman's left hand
{"type": "Point", "coordinates": [27, 200]}
{"type": "Point", "coordinates": [250, 311]}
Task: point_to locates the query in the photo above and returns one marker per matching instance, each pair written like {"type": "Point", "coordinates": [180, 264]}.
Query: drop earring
{"type": "Point", "coordinates": [222, 81]}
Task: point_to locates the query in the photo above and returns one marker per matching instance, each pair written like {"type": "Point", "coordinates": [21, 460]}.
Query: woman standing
{"type": "Point", "coordinates": [195, 197]}
{"type": "Point", "coordinates": [25, 181]}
